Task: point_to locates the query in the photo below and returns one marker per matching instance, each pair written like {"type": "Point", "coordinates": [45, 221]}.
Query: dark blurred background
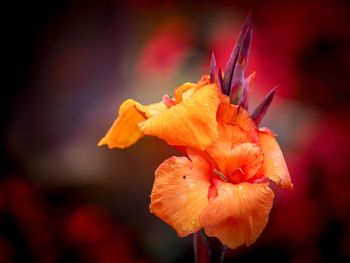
{"type": "Point", "coordinates": [70, 65]}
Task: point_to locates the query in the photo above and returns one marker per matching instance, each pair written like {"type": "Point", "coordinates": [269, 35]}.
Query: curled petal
{"type": "Point", "coordinates": [180, 193]}
{"type": "Point", "coordinates": [238, 214]}
{"type": "Point", "coordinates": [274, 166]}
{"type": "Point", "coordinates": [125, 131]}
{"type": "Point", "coordinates": [191, 123]}
{"type": "Point", "coordinates": [186, 90]}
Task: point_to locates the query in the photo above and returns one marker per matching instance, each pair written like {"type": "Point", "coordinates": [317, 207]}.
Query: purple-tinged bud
{"type": "Point", "coordinates": [215, 73]}
{"type": "Point", "coordinates": [240, 68]}
{"type": "Point", "coordinates": [248, 82]}
{"type": "Point", "coordinates": [262, 108]}
{"type": "Point", "coordinates": [231, 63]}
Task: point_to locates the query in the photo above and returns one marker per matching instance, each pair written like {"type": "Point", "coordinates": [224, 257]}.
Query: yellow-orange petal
{"type": "Point", "coordinates": [238, 214]}
{"type": "Point", "coordinates": [180, 192]}
{"type": "Point", "coordinates": [274, 166]}
{"type": "Point", "coordinates": [184, 91]}
{"type": "Point", "coordinates": [125, 131]}
{"type": "Point", "coordinates": [151, 110]}
{"type": "Point", "coordinates": [191, 123]}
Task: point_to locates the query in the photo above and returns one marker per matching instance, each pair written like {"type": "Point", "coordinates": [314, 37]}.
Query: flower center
{"type": "Point", "coordinates": [236, 177]}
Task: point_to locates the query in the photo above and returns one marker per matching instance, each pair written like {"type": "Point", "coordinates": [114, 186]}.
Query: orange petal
{"type": "Point", "coordinates": [125, 131]}
{"type": "Point", "coordinates": [274, 167]}
{"type": "Point", "coordinates": [191, 123]}
{"type": "Point", "coordinates": [227, 113]}
{"type": "Point", "coordinates": [247, 124]}
{"type": "Point", "coordinates": [233, 150]}
{"type": "Point", "coordinates": [238, 214]}
{"type": "Point", "coordinates": [235, 115]}
{"type": "Point", "coordinates": [180, 192]}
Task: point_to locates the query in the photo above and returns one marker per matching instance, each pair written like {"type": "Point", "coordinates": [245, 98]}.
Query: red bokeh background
{"type": "Point", "coordinates": [71, 64]}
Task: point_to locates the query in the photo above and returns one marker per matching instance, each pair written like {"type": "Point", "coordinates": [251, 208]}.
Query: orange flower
{"type": "Point", "coordinates": [222, 184]}
{"type": "Point", "coordinates": [224, 189]}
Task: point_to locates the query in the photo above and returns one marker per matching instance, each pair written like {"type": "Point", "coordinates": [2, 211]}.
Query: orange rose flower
{"type": "Point", "coordinates": [222, 184]}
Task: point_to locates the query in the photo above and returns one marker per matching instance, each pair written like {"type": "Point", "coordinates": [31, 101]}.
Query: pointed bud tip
{"type": "Point", "coordinates": [262, 108]}
{"type": "Point", "coordinates": [248, 19]}
{"type": "Point", "coordinates": [213, 68]}
{"type": "Point", "coordinates": [240, 53]}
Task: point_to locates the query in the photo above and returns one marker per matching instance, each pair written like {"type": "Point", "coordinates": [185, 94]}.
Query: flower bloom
{"type": "Point", "coordinates": [221, 185]}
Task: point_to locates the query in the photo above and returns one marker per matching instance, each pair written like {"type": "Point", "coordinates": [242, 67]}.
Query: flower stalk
{"type": "Point", "coordinates": [216, 250]}
{"type": "Point", "coordinates": [208, 249]}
